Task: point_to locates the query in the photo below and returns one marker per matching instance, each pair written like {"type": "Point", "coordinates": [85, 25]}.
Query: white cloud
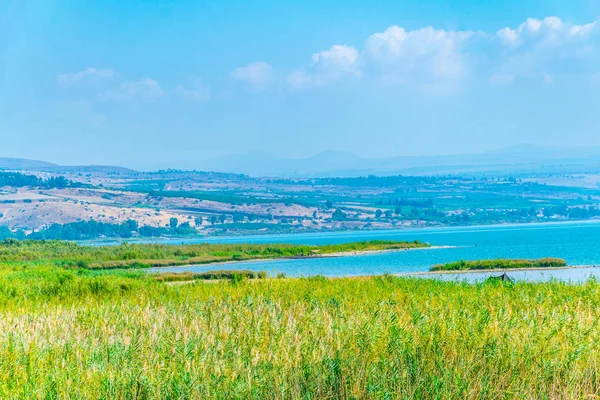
{"type": "Point", "coordinates": [439, 60]}
{"type": "Point", "coordinates": [197, 92]}
{"type": "Point", "coordinates": [427, 51]}
{"type": "Point", "coordinates": [550, 30]}
{"type": "Point", "coordinates": [583, 30]}
{"type": "Point", "coordinates": [388, 44]}
{"type": "Point", "coordinates": [542, 49]}
{"type": "Point", "coordinates": [338, 58]}
{"type": "Point", "coordinates": [328, 66]}
{"type": "Point", "coordinates": [143, 89]}
{"type": "Point", "coordinates": [430, 57]}
{"type": "Point", "coordinates": [70, 79]}
{"type": "Point", "coordinates": [257, 74]}
{"type": "Point", "coordinates": [509, 37]}
{"type": "Point", "coordinates": [531, 25]}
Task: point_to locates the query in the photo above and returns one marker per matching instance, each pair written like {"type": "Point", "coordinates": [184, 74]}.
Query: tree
{"type": "Point", "coordinates": [213, 219]}
{"type": "Point", "coordinates": [223, 218]}
{"type": "Point", "coordinates": [131, 225]}
{"type": "Point", "coordinates": [173, 222]}
{"type": "Point", "coordinates": [338, 215]}
{"type": "Point", "coordinates": [185, 229]}
{"type": "Point", "coordinates": [378, 214]}
{"type": "Point", "coordinates": [329, 204]}
{"type": "Point", "coordinates": [198, 221]}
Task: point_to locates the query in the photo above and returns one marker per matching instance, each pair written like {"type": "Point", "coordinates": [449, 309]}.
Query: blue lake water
{"type": "Point", "coordinates": [577, 243]}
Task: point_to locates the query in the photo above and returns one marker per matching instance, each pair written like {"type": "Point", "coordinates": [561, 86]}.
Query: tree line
{"type": "Point", "coordinates": [17, 179]}
{"type": "Point", "coordinates": [87, 230]}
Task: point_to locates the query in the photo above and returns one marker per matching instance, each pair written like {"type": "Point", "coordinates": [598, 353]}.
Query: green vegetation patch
{"type": "Point", "coordinates": [72, 255]}
{"type": "Point", "coordinates": [500, 264]}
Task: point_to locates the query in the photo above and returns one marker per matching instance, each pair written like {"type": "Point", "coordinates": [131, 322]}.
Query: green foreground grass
{"type": "Point", "coordinates": [72, 255]}
{"type": "Point", "coordinates": [122, 335]}
{"type": "Point", "coordinates": [502, 263]}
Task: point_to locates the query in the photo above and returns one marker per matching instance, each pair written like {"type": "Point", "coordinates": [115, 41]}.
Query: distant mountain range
{"type": "Point", "coordinates": [515, 159]}
{"type": "Point", "coordinates": [22, 164]}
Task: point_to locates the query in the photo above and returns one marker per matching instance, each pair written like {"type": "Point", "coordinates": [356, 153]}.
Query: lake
{"type": "Point", "coordinates": [577, 243]}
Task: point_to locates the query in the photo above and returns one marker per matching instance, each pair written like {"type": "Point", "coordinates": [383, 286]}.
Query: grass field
{"type": "Point", "coordinates": [74, 333]}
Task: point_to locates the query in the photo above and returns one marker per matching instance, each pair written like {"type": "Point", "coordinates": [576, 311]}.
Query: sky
{"type": "Point", "coordinates": [153, 84]}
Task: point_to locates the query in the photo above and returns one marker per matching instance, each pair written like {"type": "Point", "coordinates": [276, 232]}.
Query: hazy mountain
{"type": "Point", "coordinates": [21, 164]}
{"type": "Point", "coordinates": [524, 158]}
{"type": "Point", "coordinates": [24, 164]}
{"type": "Point", "coordinates": [88, 169]}
{"type": "Point", "coordinates": [513, 159]}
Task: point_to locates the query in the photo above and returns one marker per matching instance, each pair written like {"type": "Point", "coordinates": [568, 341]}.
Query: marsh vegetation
{"type": "Point", "coordinates": [122, 334]}
{"type": "Point", "coordinates": [502, 263]}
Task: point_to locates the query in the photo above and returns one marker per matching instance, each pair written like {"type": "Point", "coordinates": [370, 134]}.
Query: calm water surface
{"type": "Point", "coordinates": [577, 243]}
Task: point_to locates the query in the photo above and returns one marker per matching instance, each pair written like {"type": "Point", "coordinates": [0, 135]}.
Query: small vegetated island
{"type": "Point", "coordinates": [127, 256]}
{"type": "Point", "coordinates": [502, 263]}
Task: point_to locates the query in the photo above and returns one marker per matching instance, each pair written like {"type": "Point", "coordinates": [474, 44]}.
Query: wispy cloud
{"type": "Point", "coordinates": [70, 79]}
{"type": "Point", "coordinates": [143, 89]}
{"type": "Point", "coordinates": [258, 74]}
{"type": "Point", "coordinates": [198, 91]}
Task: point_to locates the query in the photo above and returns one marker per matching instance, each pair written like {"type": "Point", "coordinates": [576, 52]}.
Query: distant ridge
{"type": "Point", "coordinates": [23, 164]}
{"type": "Point", "coordinates": [86, 169]}
{"type": "Point", "coordinates": [512, 159]}
{"type": "Point", "coordinates": [522, 158]}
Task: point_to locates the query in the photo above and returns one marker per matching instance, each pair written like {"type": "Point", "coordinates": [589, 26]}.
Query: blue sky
{"type": "Point", "coordinates": [172, 83]}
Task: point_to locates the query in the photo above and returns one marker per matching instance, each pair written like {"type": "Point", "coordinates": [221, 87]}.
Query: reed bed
{"type": "Point", "coordinates": [501, 263]}
{"type": "Point", "coordinates": [123, 335]}
{"type": "Point", "coordinates": [72, 255]}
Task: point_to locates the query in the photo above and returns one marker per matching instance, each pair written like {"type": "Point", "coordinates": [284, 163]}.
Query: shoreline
{"type": "Point", "coordinates": [329, 255]}
{"type": "Point", "coordinates": [223, 238]}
